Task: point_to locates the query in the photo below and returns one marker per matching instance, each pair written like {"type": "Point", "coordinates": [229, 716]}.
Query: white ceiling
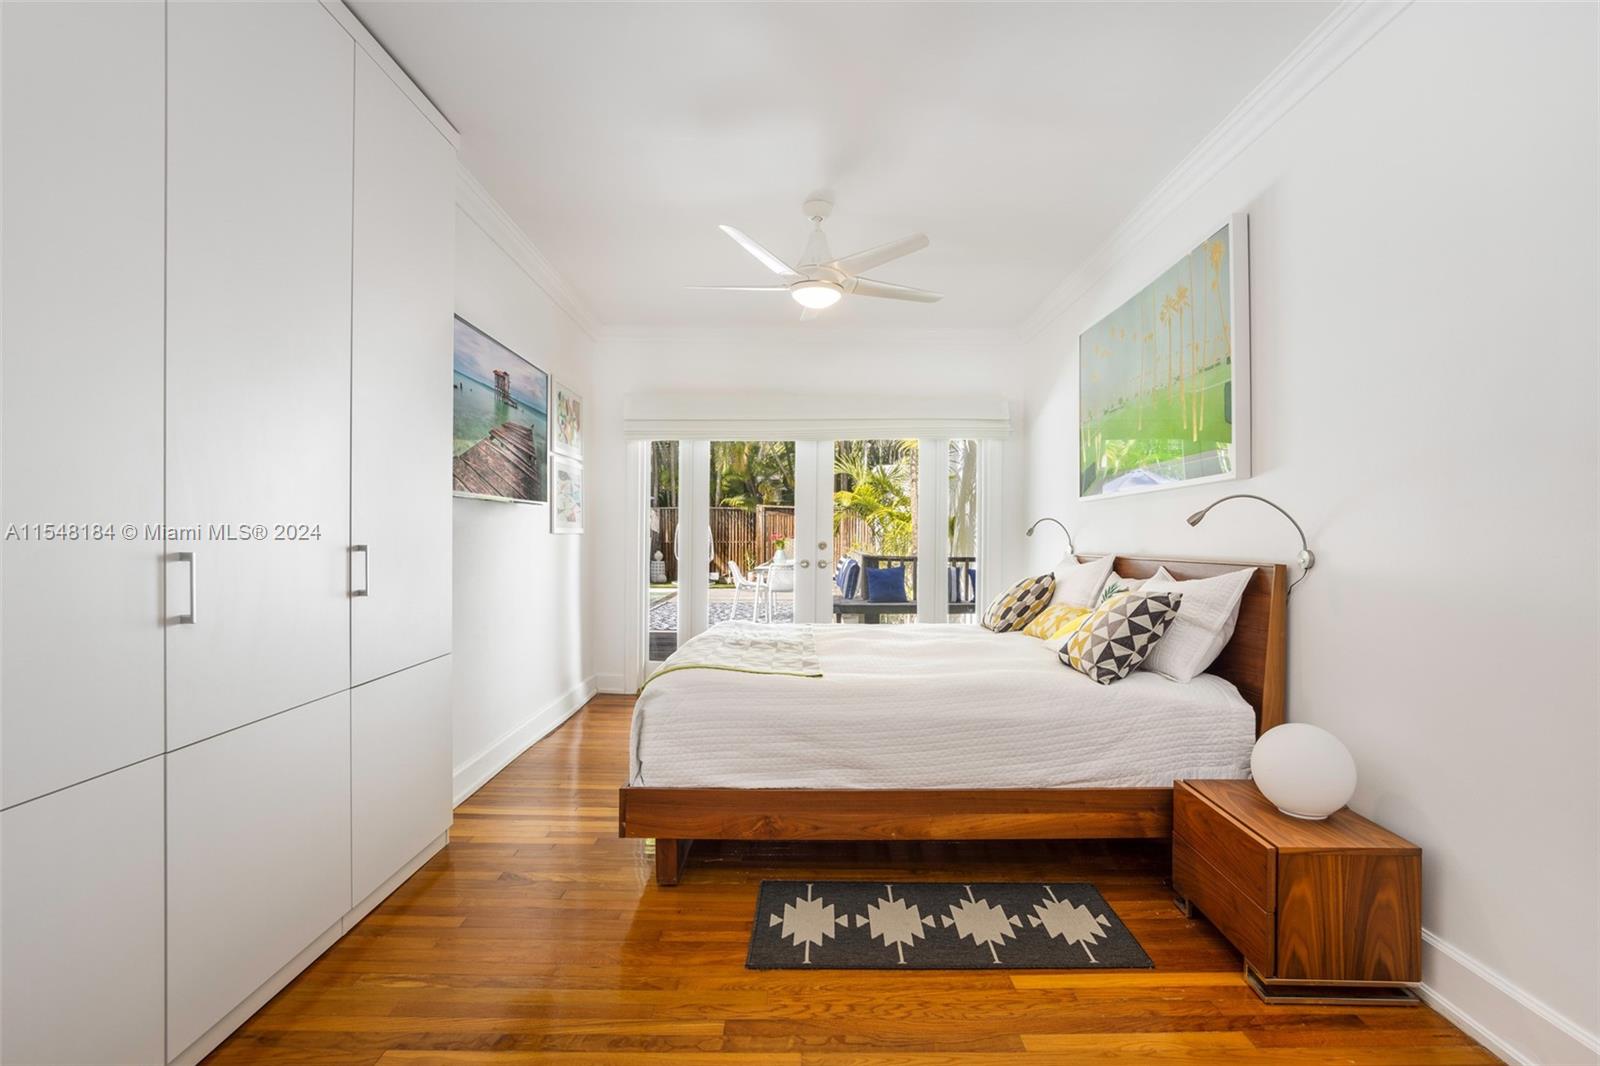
{"type": "Point", "coordinates": [1017, 136]}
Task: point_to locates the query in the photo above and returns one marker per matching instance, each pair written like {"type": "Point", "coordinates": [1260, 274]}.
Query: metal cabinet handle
{"type": "Point", "coordinates": [822, 564]}
{"type": "Point", "coordinates": [805, 564]}
{"type": "Point", "coordinates": [366, 570]}
{"type": "Point", "coordinates": [188, 619]}
{"type": "Point", "coordinates": [822, 545]}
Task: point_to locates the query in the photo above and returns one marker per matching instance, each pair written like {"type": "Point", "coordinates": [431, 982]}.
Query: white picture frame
{"type": "Point", "coordinates": [1205, 378]}
{"type": "Point", "coordinates": [566, 420]}
{"type": "Point", "coordinates": [566, 494]}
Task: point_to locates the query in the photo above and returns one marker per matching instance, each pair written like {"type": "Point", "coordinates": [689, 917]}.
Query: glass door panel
{"type": "Point", "coordinates": [962, 591]}
{"type": "Point", "coordinates": [662, 565]}
{"type": "Point", "coordinates": [875, 523]}
{"type": "Point", "coordinates": [754, 555]}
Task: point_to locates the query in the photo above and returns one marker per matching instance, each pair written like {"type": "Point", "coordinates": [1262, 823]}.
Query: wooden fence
{"type": "Point", "coordinates": [747, 537]}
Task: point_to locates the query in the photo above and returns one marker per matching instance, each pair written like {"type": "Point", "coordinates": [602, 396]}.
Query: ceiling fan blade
{"type": "Point", "coordinates": [768, 260]}
{"type": "Point", "coordinates": [868, 287]}
{"type": "Point", "coordinates": [883, 253]}
{"type": "Point", "coordinates": [738, 288]}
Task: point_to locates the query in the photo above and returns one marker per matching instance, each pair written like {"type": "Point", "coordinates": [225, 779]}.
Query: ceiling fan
{"type": "Point", "coordinates": [819, 280]}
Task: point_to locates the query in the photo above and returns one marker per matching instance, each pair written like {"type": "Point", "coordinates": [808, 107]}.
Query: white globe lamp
{"type": "Point", "coordinates": [1305, 771]}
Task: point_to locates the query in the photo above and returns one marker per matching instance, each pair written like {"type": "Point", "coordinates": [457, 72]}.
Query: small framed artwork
{"type": "Point", "coordinates": [1164, 380]}
{"type": "Point", "coordinates": [566, 495]}
{"type": "Point", "coordinates": [566, 437]}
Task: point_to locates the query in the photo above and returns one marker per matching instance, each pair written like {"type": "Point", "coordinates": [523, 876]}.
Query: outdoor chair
{"type": "Point", "coordinates": [756, 584]}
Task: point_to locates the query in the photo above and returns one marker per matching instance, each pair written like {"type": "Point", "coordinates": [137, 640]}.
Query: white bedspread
{"type": "Point", "coordinates": [925, 706]}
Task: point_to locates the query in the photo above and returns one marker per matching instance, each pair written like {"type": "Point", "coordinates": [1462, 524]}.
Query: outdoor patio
{"type": "Point", "coordinates": [721, 608]}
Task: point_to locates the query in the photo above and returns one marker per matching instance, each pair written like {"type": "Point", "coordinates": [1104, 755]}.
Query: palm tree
{"type": "Point", "coordinates": [747, 474]}
{"type": "Point", "coordinates": [876, 482]}
{"type": "Point", "coordinates": [1180, 304]}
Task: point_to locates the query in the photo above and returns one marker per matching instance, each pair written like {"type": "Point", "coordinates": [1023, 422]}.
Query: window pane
{"type": "Point", "coordinates": [963, 525]}
{"type": "Point", "coordinates": [875, 531]}
{"type": "Point", "coordinates": [662, 566]}
{"type": "Point", "coordinates": [752, 531]}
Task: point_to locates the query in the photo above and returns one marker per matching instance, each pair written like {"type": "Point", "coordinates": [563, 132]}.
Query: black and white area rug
{"type": "Point", "coordinates": [865, 925]}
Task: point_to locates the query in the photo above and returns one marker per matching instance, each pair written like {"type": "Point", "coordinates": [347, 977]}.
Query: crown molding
{"type": "Point", "coordinates": [352, 24]}
{"type": "Point", "coordinates": [1338, 37]}
{"type": "Point", "coordinates": [502, 229]}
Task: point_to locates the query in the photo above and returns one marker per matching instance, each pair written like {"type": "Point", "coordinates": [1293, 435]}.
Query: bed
{"type": "Point", "coordinates": [947, 733]}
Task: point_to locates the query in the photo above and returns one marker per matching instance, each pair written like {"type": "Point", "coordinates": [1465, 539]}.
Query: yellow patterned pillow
{"type": "Point", "coordinates": [1054, 622]}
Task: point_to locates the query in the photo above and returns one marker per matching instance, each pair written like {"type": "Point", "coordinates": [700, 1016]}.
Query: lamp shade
{"type": "Point", "coordinates": [1304, 771]}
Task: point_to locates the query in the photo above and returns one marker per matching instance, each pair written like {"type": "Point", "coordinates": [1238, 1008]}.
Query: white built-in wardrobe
{"type": "Point", "coordinates": [227, 271]}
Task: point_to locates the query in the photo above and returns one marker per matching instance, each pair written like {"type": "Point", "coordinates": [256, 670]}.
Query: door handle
{"type": "Point", "coordinates": [187, 619]}
{"type": "Point", "coordinates": [366, 570]}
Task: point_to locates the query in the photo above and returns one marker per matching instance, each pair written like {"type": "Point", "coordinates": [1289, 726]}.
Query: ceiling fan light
{"type": "Point", "coordinates": [815, 294]}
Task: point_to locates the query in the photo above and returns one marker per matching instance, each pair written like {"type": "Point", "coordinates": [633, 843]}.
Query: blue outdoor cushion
{"type": "Point", "coordinates": [848, 577]}
{"type": "Point", "coordinates": [963, 591]}
{"type": "Point", "coordinates": [886, 584]}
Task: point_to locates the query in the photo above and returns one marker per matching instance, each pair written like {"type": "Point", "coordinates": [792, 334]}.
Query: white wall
{"type": "Point", "coordinates": [793, 358]}
{"type": "Point", "coordinates": [1423, 259]}
{"type": "Point", "coordinates": [520, 662]}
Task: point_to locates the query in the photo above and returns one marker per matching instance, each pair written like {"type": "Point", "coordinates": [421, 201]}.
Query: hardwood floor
{"type": "Point", "coordinates": [538, 935]}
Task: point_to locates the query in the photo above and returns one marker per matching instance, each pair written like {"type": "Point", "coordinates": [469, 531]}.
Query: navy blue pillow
{"type": "Point", "coordinates": [886, 584]}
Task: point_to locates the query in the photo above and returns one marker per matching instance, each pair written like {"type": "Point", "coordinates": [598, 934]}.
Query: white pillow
{"type": "Point", "coordinates": [1116, 583]}
{"type": "Point", "coordinates": [1205, 622]}
{"type": "Point", "coordinates": [1079, 584]}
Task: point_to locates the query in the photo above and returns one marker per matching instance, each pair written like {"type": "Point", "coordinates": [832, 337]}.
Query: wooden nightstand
{"type": "Point", "coordinates": [1326, 911]}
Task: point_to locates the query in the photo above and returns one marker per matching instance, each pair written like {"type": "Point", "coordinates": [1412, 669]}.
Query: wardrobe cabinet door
{"type": "Point", "coordinates": [399, 771]}
{"type": "Point", "coordinates": [401, 406]}
{"type": "Point", "coordinates": [258, 360]}
{"type": "Point", "coordinates": [258, 857]}
{"type": "Point", "coordinates": [80, 923]}
{"type": "Point", "coordinates": [80, 666]}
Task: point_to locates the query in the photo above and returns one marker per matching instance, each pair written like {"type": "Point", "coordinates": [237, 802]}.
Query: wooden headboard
{"type": "Point", "coordinates": [1256, 660]}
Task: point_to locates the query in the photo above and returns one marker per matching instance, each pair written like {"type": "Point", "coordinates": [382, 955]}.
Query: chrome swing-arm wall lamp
{"type": "Point", "coordinates": [1307, 558]}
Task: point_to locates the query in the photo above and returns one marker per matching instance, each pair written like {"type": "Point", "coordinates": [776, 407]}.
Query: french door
{"type": "Point", "coordinates": [856, 532]}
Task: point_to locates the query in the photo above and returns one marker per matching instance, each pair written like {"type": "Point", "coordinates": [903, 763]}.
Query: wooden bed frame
{"type": "Point", "coordinates": [1255, 660]}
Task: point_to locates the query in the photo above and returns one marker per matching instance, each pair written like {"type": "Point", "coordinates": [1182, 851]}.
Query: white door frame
{"type": "Point", "coordinates": [813, 531]}
{"type": "Point", "coordinates": [813, 512]}
{"type": "Point", "coordinates": [694, 537]}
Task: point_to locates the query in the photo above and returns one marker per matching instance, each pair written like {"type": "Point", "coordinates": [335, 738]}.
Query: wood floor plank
{"type": "Point", "coordinates": [539, 936]}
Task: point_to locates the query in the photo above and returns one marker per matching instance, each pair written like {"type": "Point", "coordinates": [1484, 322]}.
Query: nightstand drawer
{"type": "Point", "coordinates": [1247, 860]}
{"type": "Point", "coordinates": [1247, 926]}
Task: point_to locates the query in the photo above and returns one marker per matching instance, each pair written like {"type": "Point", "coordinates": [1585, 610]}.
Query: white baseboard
{"type": "Point", "coordinates": [1509, 1021]}
{"type": "Point", "coordinates": [476, 772]}
{"type": "Point", "coordinates": [214, 1036]}
{"type": "Point", "coordinates": [400, 877]}
{"type": "Point", "coordinates": [612, 684]}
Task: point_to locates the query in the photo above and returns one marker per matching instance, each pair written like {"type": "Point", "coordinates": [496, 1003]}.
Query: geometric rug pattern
{"type": "Point", "coordinates": [923, 925]}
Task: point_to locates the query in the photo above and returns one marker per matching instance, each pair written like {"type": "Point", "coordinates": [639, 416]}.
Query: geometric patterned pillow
{"type": "Point", "coordinates": [1055, 619]}
{"type": "Point", "coordinates": [1016, 606]}
{"type": "Point", "coordinates": [1113, 640]}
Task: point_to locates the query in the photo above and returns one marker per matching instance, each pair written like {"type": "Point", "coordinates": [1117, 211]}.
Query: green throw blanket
{"type": "Point", "coordinates": [747, 648]}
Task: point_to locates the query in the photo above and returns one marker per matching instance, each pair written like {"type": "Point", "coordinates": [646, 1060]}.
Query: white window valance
{"type": "Point", "coordinates": [800, 416]}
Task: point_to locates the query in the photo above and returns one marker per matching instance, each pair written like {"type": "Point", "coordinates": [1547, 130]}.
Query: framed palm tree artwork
{"type": "Point", "coordinates": [1164, 379]}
